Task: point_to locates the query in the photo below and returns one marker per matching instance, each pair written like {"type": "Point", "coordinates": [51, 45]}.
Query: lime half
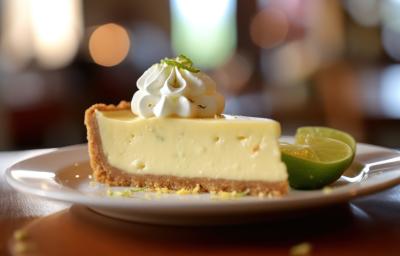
{"type": "Point", "coordinates": [315, 160]}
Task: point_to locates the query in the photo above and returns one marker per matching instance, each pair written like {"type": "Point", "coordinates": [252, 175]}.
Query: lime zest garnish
{"type": "Point", "coordinates": [182, 62]}
{"type": "Point", "coordinates": [125, 192]}
{"type": "Point", "coordinates": [162, 190]}
{"type": "Point", "coordinates": [188, 191]}
{"type": "Point", "coordinates": [224, 195]}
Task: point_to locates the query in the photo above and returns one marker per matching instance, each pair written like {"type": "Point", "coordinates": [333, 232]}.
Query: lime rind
{"type": "Point", "coordinates": [304, 175]}
{"type": "Point", "coordinates": [318, 158]}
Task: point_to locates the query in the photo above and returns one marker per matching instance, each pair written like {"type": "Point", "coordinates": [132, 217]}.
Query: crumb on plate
{"type": "Point", "coordinates": [20, 234]}
{"type": "Point", "coordinates": [301, 249]}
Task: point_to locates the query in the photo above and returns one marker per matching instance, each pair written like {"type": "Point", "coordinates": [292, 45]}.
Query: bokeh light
{"type": "Point", "coordinates": [391, 28]}
{"type": "Point", "coordinates": [49, 31]}
{"type": "Point", "coordinates": [297, 58]}
{"type": "Point", "coordinates": [57, 30]}
{"type": "Point", "coordinates": [235, 74]}
{"type": "Point", "coordinates": [391, 42]}
{"type": "Point", "coordinates": [269, 28]}
{"type": "Point", "coordinates": [390, 91]}
{"type": "Point", "coordinates": [204, 30]}
{"type": "Point", "coordinates": [390, 10]}
{"type": "Point", "coordinates": [109, 44]}
{"type": "Point", "coordinates": [364, 12]}
{"type": "Point", "coordinates": [16, 43]}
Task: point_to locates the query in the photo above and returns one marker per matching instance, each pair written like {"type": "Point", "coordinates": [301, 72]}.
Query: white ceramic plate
{"type": "Point", "coordinates": [64, 174]}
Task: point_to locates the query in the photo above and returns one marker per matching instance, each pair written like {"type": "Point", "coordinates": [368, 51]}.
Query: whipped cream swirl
{"type": "Point", "coordinates": [168, 90]}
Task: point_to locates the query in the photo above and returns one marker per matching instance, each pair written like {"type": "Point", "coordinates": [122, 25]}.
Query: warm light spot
{"type": "Point", "coordinates": [109, 45]}
{"type": "Point", "coordinates": [298, 60]}
{"type": "Point", "coordinates": [269, 28]}
{"type": "Point", "coordinates": [16, 40]}
{"type": "Point", "coordinates": [46, 30]}
{"type": "Point", "coordinates": [57, 29]}
{"type": "Point", "coordinates": [234, 75]}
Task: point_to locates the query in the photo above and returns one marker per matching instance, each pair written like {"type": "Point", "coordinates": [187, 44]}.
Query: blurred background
{"type": "Point", "coordinates": [302, 62]}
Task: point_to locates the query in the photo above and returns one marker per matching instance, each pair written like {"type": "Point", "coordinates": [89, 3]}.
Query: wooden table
{"type": "Point", "coordinates": [366, 226]}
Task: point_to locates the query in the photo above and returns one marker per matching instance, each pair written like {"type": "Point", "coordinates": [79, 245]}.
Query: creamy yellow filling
{"type": "Point", "coordinates": [238, 148]}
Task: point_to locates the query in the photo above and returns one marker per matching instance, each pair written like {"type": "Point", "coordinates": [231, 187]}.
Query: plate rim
{"type": "Point", "coordinates": [280, 203]}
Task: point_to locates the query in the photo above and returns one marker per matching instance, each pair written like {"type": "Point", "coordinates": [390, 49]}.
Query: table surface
{"type": "Point", "coordinates": [366, 226]}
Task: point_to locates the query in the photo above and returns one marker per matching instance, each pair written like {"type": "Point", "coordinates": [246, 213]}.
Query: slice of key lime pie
{"type": "Point", "coordinates": [173, 134]}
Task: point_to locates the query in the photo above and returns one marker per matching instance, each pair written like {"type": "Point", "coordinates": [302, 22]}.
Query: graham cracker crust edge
{"type": "Point", "coordinates": [104, 173]}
